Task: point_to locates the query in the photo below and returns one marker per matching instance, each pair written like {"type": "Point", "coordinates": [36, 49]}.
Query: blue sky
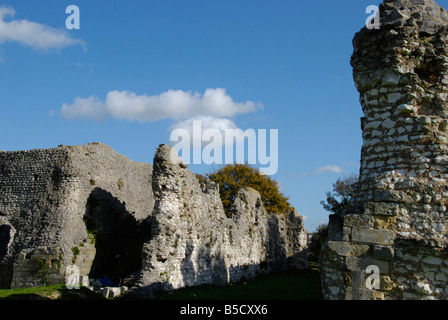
{"type": "Point", "coordinates": [281, 64]}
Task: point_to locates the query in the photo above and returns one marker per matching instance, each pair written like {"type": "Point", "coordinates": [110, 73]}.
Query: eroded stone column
{"type": "Point", "coordinates": [400, 71]}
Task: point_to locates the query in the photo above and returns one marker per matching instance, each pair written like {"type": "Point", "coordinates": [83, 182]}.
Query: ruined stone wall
{"type": "Point", "coordinates": [25, 179]}
{"type": "Point", "coordinates": [399, 226]}
{"type": "Point", "coordinates": [193, 242]}
{"type": "Point", "coordinates": [91, 207]}
{"type": "Point", "coordinates": [45, 203]}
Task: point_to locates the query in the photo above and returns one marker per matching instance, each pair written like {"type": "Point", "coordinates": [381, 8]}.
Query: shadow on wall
{"type": "Point", "coordinates": [275, 246]}
{"type": "Point", "coordinates": [207, 264]}
{"type": "Point", "coordinates": [118, 236]}
{"type": "Point", "coordinates": [5, 237]}
{"type": "Point", "coordinates": [210, 268]}
{"type": "Point", "coordinates": [6, 269]}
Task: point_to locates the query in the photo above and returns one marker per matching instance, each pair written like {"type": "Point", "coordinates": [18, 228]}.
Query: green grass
{"type": "Point", "coordinates": [314, 266]}
{"type": "Point", "coordinates": [289, 285]}
{"type": "Point", "coordinates": [29, 292]}
{"type": "Point", "coordinates": [57, 292]}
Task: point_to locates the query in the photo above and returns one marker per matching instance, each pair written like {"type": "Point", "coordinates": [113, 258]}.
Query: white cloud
{"type": "Point", "coordinates": [206, 123]}
{"type": "Point", "coordinates": [329, 168]}
{"type": "Point", "coordinates": [90, 107]}
{"type": "Point", "coordinates": [172, 104]}
{"type": "Point", "coordinates": [201, 125]}
{"type": "Point", "coordinates": [33, 34]}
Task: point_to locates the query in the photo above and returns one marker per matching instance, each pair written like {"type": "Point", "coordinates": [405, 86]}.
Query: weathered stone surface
{"type": "Point", "coordinates": [381, 208]}
{"type": "Point", "coordinates": [347, 248]}
{"type": "Point", "coordinates": [358, 220]}
{"type": "Point", "coordinates": [400, 71]}
{"type": "Point", "coordinates": [386, 283]}
{"type": "Point", "coordinates": [432, 260]}
{"type": "Point", "coordinates": [194, 243]}
{"type": "Point", "coordinates": [90, 208]}
{"type": "Point", "coordinates": [48, 194]}
{"type": "Point", "coordinates": [383, 253]}
{"type": "Point", "coordinates": [384, 222]}
{"type": "Point", "coordinates": [373, 236]}
{"type": "Point", "coordinates": [361, 264]}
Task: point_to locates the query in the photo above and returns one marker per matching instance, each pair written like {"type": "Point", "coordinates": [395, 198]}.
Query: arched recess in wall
{"type": "Point", "coordinates": [5, 239]}
{"type": "Point", "coordinates": [118, 237]}
{"type": "Point", "coordinates": [7, 232]}
{"type": "Point", "coordinates": [430, 68]}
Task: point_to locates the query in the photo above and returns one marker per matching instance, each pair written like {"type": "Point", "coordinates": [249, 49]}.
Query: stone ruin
{"type": "Point", "coordinates": [93, 208]}
{"type": "Point", "coordinates": [392, 243]}
{"type": "Point", "coordinates": [150, 227]}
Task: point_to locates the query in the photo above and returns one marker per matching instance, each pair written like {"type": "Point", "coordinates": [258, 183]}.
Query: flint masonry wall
{"type": "Point", "coordinates": [194, 243]}
{"type": "Point", "coordinates": [49, 200]}
{"type": "Point", "coordinates": [400, 221]}
{"type": "Point", "coordinates": [90, 206]}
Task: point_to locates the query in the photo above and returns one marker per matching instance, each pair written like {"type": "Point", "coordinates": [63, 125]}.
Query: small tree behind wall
{"type": "Point", "coordinates": [232, 177]}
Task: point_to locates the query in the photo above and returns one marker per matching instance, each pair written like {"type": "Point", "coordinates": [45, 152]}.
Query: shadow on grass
{"type": "Point", "coordinates": [25, 296]}
{"type": "Point", "coordinates": [59, 292]}
{"type": "Point", "coordinates": [289, 285]}
{"type": "Point", "coordinates": [82, 293]}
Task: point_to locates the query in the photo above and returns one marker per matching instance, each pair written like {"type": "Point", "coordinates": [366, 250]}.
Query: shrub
{"type": "Point", "coordinates": [232, 177]}
{"type": "Point", "coordinates": [318, 238]}
{"type": "Point", "coordinates": [341, 198]}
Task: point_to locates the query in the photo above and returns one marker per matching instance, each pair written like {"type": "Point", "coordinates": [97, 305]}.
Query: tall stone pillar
{"type": "Point", "coordinates": [397, 237]}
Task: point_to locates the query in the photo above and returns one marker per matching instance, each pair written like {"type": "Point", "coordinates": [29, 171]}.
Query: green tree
{"type": "Point", "coordinates": [318, 238]}
{"type": "Point", "coordinates": [341, 198]}
{"type": "Point", "coordinates": [201, 178]}
{"type": "Point", "coordinates": [338, 201]}
{"type": "Point", "coordinates": [232, 177]}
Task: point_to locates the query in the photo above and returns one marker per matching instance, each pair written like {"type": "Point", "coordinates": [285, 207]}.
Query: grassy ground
{"type": "Point", "coordinates": [290, 285]}
{"type": "Point", "coordinates": [59, 292]}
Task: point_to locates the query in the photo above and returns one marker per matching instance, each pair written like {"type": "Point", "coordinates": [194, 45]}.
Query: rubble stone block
{"type": "Point", "coordinates": [381, 208]}
{"type": "Point", "coordinates": [373, 236]}
{"type": "Point", "coordinates": [348, 249]}
{"type": "Point", "coordinates": [383, 253]}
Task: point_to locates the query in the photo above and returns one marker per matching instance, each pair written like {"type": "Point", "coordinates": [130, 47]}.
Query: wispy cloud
{"type": "Point", "coordinates": [91, 108]}
{"type": "Point", "coordinates": [320, 170]}
{"type": "Point", "coordinates": [33, 34]}
{"type": "Point", "coordinates": [172, 104]}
